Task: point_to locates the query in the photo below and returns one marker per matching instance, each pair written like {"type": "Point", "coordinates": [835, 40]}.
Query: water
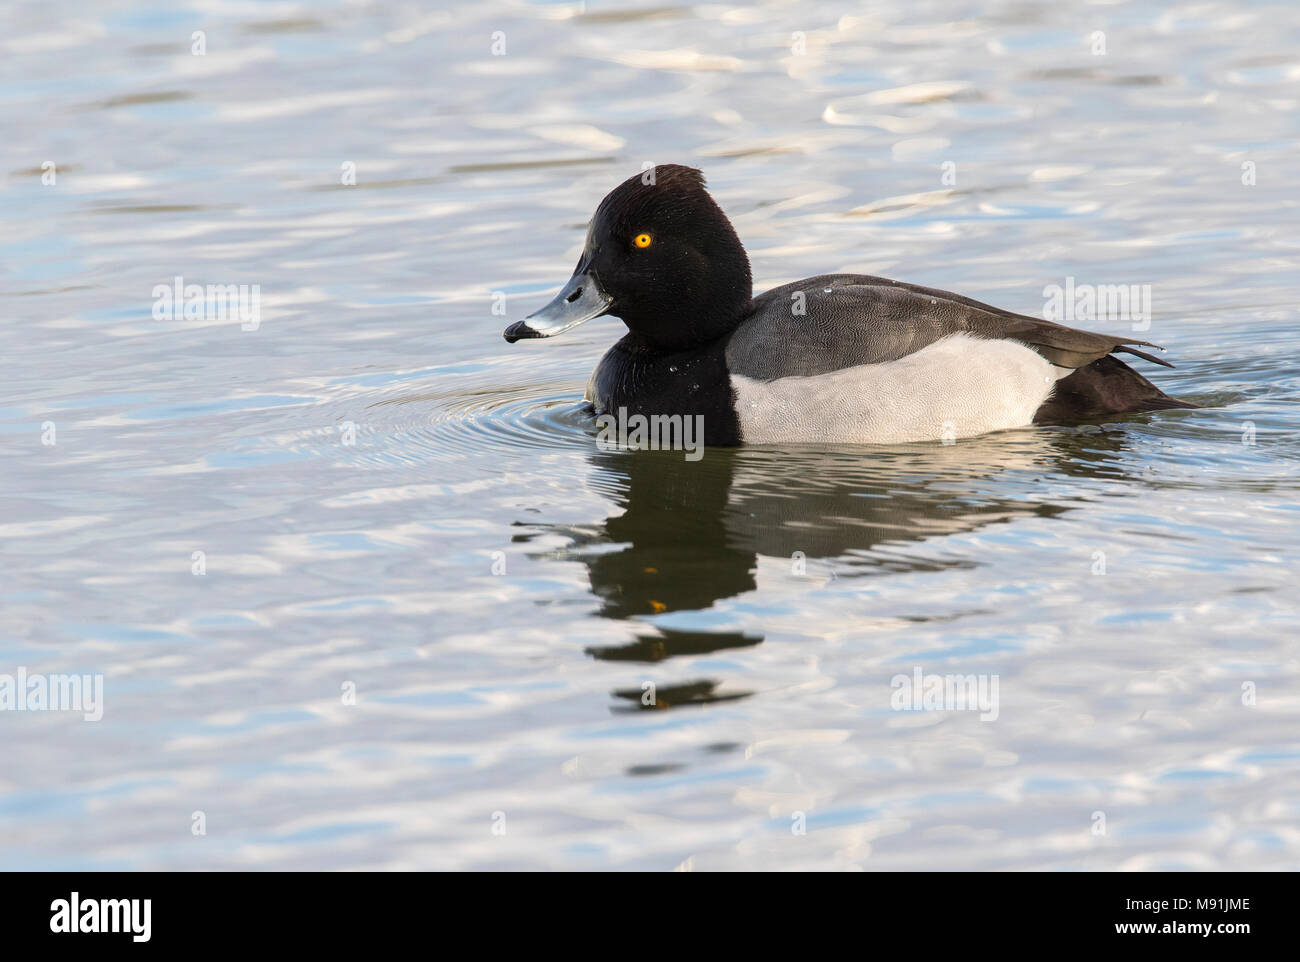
{"type": "Point", "coordinates": [356, 468]}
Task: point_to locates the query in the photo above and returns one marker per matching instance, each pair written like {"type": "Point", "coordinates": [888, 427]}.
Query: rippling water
{"type": "Point", "coordinates": [389, 499]}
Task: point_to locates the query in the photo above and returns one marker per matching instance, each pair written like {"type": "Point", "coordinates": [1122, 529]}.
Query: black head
{"type": "Point", "coordinates": [661, 255]}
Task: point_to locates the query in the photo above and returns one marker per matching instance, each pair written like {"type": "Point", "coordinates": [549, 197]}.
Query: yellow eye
{"type": "Point", "coordinates": [642, 240]}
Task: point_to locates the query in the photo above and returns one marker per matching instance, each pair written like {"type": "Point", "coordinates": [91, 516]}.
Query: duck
{"type": "Point", "coordinates": [833, 359]}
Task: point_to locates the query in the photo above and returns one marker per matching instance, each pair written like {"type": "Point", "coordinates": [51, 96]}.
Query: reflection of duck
{"type": "Point", "coordinates": [678, 554]}
{"type": "Point", "coordinates": [689, 534]}
{"type": "Point", "coordinates": [669, 642]}
{"type": "Point", "coordinates": [691, 693]}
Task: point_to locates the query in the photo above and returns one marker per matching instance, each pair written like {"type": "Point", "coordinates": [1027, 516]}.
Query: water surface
{"type": "Point", "coordinates": [390, 500]}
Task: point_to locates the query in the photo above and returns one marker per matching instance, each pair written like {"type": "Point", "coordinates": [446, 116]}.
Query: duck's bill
{"type": "Point", "coordinates": [580, 301]}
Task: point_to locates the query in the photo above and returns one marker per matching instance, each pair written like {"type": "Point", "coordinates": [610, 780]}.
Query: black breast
{"type": "Point", "coordinates": [694, 382]}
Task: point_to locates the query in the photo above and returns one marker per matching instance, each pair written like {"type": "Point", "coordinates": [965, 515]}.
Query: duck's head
{"type": "Point", "coordinates": [661, 255]}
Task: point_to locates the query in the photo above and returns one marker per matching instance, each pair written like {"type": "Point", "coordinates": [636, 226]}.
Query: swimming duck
{"type": "Point", "coordinates": [834, 359]}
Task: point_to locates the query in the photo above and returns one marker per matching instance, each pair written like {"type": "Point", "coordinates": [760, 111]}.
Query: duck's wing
{"type": "Point", "coordinates": [822, 324]}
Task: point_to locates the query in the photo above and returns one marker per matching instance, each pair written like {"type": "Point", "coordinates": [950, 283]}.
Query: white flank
{"type": "Point", "coordinates": [958, 387]}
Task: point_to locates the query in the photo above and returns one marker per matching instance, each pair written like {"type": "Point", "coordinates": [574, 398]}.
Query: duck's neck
{"type": "Point", "coordinates": [698, 337]}
{"type": "Point", "coordinates": [713, 311]}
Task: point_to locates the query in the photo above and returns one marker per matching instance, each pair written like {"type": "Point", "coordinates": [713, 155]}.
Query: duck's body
{"type": "Point", "coordinates": [838, 358]}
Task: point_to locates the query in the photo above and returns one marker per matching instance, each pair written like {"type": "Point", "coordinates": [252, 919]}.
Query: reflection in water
{"type": "Point", "coordinates": [689, 534]}
{"type": "Point", "coordinates": [670, 696]}
{"type": "Point", "coordinates": [670, 642]}
{"type": "Point", "coordinates": [677, 553]}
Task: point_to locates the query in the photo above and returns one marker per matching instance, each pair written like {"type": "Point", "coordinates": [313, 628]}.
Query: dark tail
{"type": "Point", "coordinates": [1106, 386]}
